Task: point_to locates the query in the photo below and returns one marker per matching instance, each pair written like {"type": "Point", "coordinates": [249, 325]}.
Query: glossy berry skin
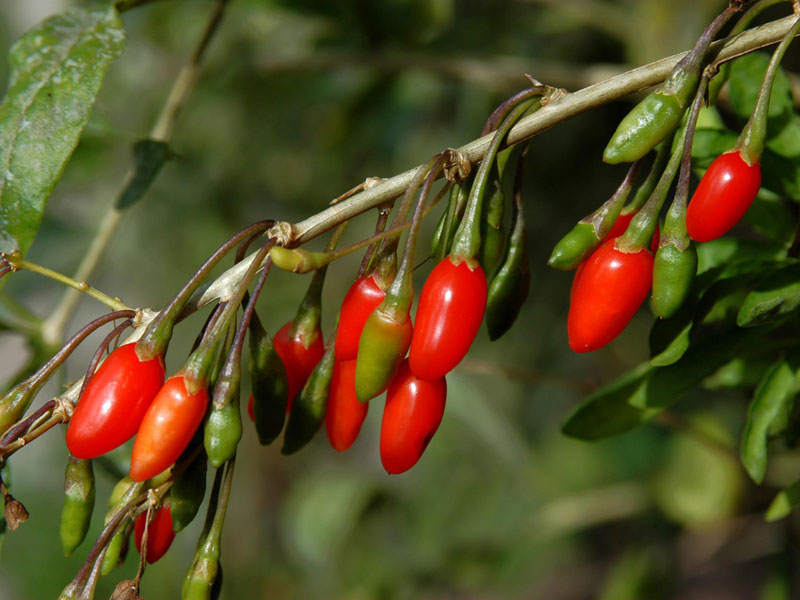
{"type": "Point", "coordinates": [606, 294]}
{"type": "Point", "coordinates": [159, 534]}
{"type": "Point", "coordinates": [299, 356]}
{"type": "Point", "coordinates": [361, 299]}
{"type": "Point", "coordinates": [621, 224]}
{"type": "Point", "coordinates": [413, 412]}
{"type": "Point", "coordinates": [167, 428]}
{"type": "Point", "coordinates": [114, 402]}
{"type": "Point", "coordinates": [250, 410]}
{"type": "Point", "coordinates": [723, 196]}
{"type": "Point", "coordinates": [451, 307]}
{"type": "Point", "coordinates": [345, 414]}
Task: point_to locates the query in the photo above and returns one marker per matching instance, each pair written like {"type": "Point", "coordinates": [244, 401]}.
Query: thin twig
{"type": "Point", "coordinates": [53, 327]}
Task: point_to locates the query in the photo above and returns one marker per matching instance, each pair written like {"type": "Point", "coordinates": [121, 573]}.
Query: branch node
{"type": "Point", "coordinates": [283, 234]}
{"type": "Point", "coordinates": [456, 165]}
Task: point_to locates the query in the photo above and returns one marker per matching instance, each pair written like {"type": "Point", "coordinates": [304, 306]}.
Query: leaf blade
{"type": "Point", "coordinates": [57, 69]}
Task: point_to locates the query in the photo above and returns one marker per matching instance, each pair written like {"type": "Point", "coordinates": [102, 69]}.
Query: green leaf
{"type": "Point", "coordinates": [148, 158]}
{"type": "Point", "coordinates": [666, 385]}
{"type": "Point", "coordinates": [57, 69]}
{"type": "Point", "coordinates": [729, 252]}
{"type": "Point", "coordinates": [606, 412]}
{"type": "Point", "coordinates": [775, 297]}
{"type": "Point", "coordinates": [784, 502]}
{"type": "Point", "coordinates": [741, 372]}
{"type": "Point", "coordinates": [708, 144]}
{"type": "Point", "coordinates": [776, 389]}
{"type": "Point", "coordinates": [746, 76]}
{"type": "Point", "coordinates": [769, 216]}
{"type": "Point", "coordinates": [669, 338]}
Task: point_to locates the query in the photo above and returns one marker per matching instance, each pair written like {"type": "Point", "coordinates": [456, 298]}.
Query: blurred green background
{"type": "Point", "coordinates": [297, 102]}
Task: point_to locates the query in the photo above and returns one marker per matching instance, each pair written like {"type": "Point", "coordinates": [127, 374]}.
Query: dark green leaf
{"type": "Point", "coordinates": [770, 217]}
{"type": "Point", "coordinates": [606, 412]}
{"type": "Point", "coordinates": [148, 158]}
{"type": "Point", "coordinates": [784, 502]}
{"type": "Point", "coordinates": [775, 297]}
{"type": "Point", "coordinates": [669, 338]}
{"type": "Point", "coordinates": [57, 69]}
{"type": "Point", "coordinates": [666, 385]}
{"type": "Point", "coordinates": [746, 76]}
{"type": "Point", "coordinates": [776, 389]}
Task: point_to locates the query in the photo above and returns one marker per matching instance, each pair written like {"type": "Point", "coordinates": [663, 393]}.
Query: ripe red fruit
{"type": "Point", "coordinates": [361, 299]}
{"type": "Point", "coordinates": [299, 356]}
{"type": "Point", "coordinates": [621, 224]}
{"type": "Point", "coordinates": [167, 428]}
{"type": "Point", "coordinates": [159, 534]}
{"type": "Point", "coordinates": [723, 196]}
{"type": "Point", "coordinates": [250, 410]}
{"type": "Point", "coordinates": [606, 294]}
{"type": "Point", "coordinates": [413, 412]}
{"type": "Point", "coordinates": [451, 307]}
{"type": "Point", "coordinates": [114, 402]}
{"type": "Point", "coordinates": [345, 414]}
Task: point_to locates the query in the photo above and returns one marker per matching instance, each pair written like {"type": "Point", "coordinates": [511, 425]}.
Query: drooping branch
{"type": "Point", "coordinates": [557, 110]}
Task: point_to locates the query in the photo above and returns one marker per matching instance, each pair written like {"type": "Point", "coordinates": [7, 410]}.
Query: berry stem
{"type": "Point", "coordinates": [675, 222]}
{"type": "Point", "coordinates": [751, 141]}
{"type": "Point", "coordinates": [467, 241]}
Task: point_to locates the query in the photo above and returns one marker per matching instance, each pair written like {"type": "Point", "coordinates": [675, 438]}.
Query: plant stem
{"type": "Point", "coordinates": [751, 140]}
{"type": "Point", "coordinates": [17, 262]}
{"type": "Point", "coordinates": [53, 328]}
{"type": "Point", "coordinates": [556, 111]}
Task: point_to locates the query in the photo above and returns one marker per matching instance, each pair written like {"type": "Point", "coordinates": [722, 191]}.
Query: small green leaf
{"type": "Point", "coordinates": [746, 76]}
{"type": "Point", "coordinates": [606, 412]}
{"type": "Point", "coordinates": [148, 158]}
{"type": "Point", "coordinates": [56, 70]}
{"type": "Point", "coordinates": [776, 389]}
{"type": "Point", "coordinates": [784, 502]}
{"type": "Point", "coordinates": [775, 297]}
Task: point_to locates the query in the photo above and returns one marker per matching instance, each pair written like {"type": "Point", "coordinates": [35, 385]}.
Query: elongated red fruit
{"type": "Point", "coordinates": [345, 414]}
{"type": "Point", "coordinates": [413, 412]}
{"type": "Point", "coordinates": [361, 299]}
{"type": "Point", "coordinates": [723, 196]}
{"type": "Point", "coordinates": [299, 356]}
{"type": "Point", "coordinates": [114, 402]}
{"type": "Point", "coordinates": [167, 428]}
{"type": "Point", "coordinates": [451, 307]}
{"type": "Point", "coordinates": [159, 534]}
{"type": "Point", "coordinates": [606, 294]}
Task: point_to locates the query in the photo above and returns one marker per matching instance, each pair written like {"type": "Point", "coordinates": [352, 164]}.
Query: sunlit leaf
{"type": "Point", "coordinates": [57, 69]}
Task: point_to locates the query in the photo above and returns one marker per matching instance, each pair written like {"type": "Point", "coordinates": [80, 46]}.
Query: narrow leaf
{"type": "Point", "coordinates": [775, 297]}
{"type": "Point", "coordinates": [606, 412]}
{"type": "Point", "coordinates": [776, 389]}
{"type": "Point", "coordinates": [148, 158]}
{"type": "Point", "coordinates": [784, 502]}
{"type": "Point", "coordinates": [56, 70]}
